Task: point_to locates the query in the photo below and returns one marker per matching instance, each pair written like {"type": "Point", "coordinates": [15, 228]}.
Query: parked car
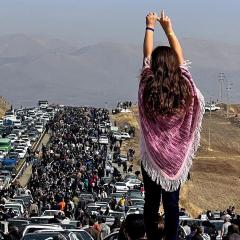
{"type": "Point", "coordinates": [133, 183]}
{"type": "Point", "coordinates": [43, 236]}
{"type": "Point", "coordinates": [135, 193]}
{"type": "Point", "coordinates": [125, 135]}
{"type": "Point", "coordinates": [15, 205]}
{"type": "Point", "coordinates": [81, 234]}
{"type": "Point", "coordinates": [135, 210]}
{"type": "Point", "coordinates": [25, 197]}
{"type": "Point", "coordinates": [117, 135]}
{"type": "Point", "coordinates": [112, 236]}
{"type": "Point", "coordinates": [123, 158]}
{"type": "Point", "coordinates": [87, 197]}
{"type": "Point", "coordinates": [103, 139]}
{"type": "Point", "coordinates": [211, 107]}
{"type": "Point", "coordinates": [27, 141]}
{"type": "Point", "coordinates": [13, 137]}
{"type": "Point", "coordinates": [51, 213]}
{"type": "Point", "coordinates": [3, 154]}
{"type": "Point", "coordinates": [130, 176]}
{"type": "Point", "coordinates": [121, 187]}
{"type": "Point", "coordinates": [35, 227]}
{"type": "Point", "coordinates": [21, 152]}
{"type": "Point", "coordinates": [68, 235]}
{"type": "Point", "coordinates": [94, 139]}
{"type": "Point", "coordinates": [39, 128]}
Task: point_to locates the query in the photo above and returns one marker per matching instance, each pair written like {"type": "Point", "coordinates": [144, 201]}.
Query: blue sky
{"type": "Point", "coordinates": [94, 21]}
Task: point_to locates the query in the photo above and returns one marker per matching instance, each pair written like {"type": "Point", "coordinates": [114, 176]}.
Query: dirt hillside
{"type": "Point", "coordinates": [4, 106]}
{"type": "Point", "coordinates": [215, 175]}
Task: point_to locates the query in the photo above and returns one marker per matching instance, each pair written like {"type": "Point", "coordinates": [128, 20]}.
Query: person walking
{"type": "Point", "coordinates": [171, 109]}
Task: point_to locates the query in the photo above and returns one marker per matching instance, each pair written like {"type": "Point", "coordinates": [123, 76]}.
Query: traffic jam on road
{"type": "Point", "coordinates": [20, 132]}
{"type": "Point", "coordinates": [81, 186]}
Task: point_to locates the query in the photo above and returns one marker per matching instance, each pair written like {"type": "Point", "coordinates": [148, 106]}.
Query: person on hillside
{"type": "Point", "coordinates": [225, 226]}
{"type": "Point", "coordinates": [170, 110]}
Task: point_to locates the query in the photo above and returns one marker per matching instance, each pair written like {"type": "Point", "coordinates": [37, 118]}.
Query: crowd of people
{"type": "Point", "coordinates": [71, 164]}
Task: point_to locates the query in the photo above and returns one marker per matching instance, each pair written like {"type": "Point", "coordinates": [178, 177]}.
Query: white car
{"type": "Point", "coordinates": [2, 154]}
{"type": "Point", "coordinates": [126, 110]}
{"type": "Point", "coordinates": [18, 142]}
{"type": "Point", "coordinates": [39, 128]}
{"type": "Point", "coordinates": [81, 234]}
{"type": "Point", "coordinates": [15, 205]}
{"type": "Point", "coordinates": [125, 135]}
{"type": "Point", "coordinates": [103, 139]}
{"type": "Point", "coordinates": [51, 213]}
{"type": "Point", "coordinates": [1, 122]}
{"type": "Point", "coordinates": [123, 158]}
{"type": "Point", "coordinates": [46, 118]}
{"type": "Point", "coordinates": [117, 135]}
{"type": "Point", "coordinates": [21, 152]}
{"type": "Point", "coordinates": [211, 107]}
{"type": "Point", "coordinates": [17, 123]}
{"type": "Point", "coordinates": [35, 227]}
{"type": "Point", "coordinates": [27, 141]}
{"type": "Point", "coordinates": [133, 183]}
{"type": "Point", "coordinates": [23, 146]}
{"type": "Point", "coordinates": [135, 210]}
{"type": "Point", "coordinates": [121, 187]}
{"type": "Point", "coordinates": [13, 137]}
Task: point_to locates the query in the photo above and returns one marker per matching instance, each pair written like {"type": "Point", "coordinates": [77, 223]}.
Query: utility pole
{"type": "Point", "coordinates": [209, 125]}
{"type": "Point", "coordinates": [221, 78]}
{"type": "Point", "coordinates": [228, 88]}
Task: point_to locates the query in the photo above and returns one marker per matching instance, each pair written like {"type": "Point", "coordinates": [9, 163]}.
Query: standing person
{"type": "Point", "coordinates": [170, 110]}
{"type": "Point", "coordinates": [225, 226]}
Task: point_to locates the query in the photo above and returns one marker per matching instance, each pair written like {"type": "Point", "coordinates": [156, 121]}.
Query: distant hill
{"type": "Point", "coordinates": [34, 67]}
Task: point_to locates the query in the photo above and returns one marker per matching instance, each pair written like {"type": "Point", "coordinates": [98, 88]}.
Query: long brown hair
{"type": "Point", "coordinates": [166, 92]}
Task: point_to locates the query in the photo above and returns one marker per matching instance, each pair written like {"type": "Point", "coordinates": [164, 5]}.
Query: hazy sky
{"type": "Point", "coordinates": [119, 20]}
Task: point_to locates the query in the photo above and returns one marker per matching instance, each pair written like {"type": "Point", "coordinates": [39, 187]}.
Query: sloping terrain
{"type": "Point", "coordinates": [215, 175]}
{"type": "Point", "coordinates": [4, 106]}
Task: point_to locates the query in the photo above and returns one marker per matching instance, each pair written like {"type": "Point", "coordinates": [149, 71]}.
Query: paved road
{"type": "Point", "coordinates": [24, 179]}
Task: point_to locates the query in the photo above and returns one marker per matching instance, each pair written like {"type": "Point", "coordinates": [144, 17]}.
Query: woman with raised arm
{"type": "Point", "coordinates": [171, 110]}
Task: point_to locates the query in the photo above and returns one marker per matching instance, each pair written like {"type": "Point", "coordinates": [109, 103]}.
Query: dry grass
{"type": "Point", "coordinates": [4, 106]}
{"type": "Point", "coordinates": [215, 175]}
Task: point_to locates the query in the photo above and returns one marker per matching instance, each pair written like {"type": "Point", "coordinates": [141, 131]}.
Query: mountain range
{"type": "Point", "coordinates": [36, 67]}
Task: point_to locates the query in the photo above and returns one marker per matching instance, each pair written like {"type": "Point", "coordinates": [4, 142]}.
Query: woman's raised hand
{"type": "Point", "coordinates": [151, 19]}
{"type": "Point", "coordinates": [165, 22]}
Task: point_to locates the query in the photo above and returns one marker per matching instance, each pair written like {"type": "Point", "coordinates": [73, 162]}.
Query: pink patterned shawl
{"type": "Point", "coordinates": [169, 144]}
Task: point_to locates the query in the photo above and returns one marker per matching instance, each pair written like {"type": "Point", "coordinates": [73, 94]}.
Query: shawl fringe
{"type": "Point", "coordinates": [173, 185]}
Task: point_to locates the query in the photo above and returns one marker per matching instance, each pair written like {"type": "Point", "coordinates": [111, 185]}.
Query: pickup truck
{"type": "Point", "coordinates": [211, 107]}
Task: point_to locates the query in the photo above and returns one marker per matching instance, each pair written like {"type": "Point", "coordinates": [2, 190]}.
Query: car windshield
{"type": "Point", "coordinates": [120, 184]}
{"type": "Point", "coordinates": [41, 236]}
{"type": "Point", "coordinates": [19, 150]}
{"type": "Point", "coordinates": [135, 194]}
{"type": "Point", "coordinates": [49, 213]}
{"type": "Point", "coordinates": [82, 235]}
{"type": "Point", "coordinates": [86, 196]}
{"type": "Point", "coordinates": [116, 195]}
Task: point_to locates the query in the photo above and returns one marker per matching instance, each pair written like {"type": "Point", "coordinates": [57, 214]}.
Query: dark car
{"type": "Point", "coordinates": [88, 197]}
{"type": "Point", "coordinates": [112, 236]}
{"type": "Point", "coordinates": [135, 193]}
